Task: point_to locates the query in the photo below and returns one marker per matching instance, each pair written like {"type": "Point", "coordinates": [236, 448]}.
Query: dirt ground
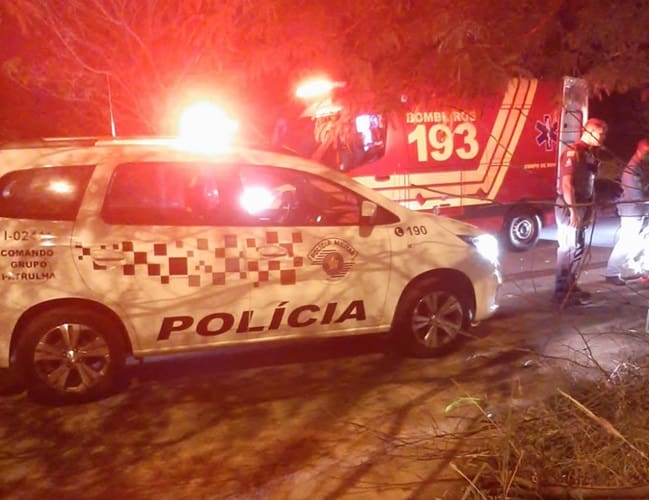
{"type": "Point", "coordinates": [324, 420]}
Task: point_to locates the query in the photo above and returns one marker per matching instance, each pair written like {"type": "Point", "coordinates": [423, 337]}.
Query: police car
{"type": "Point", "coordinates": [122, 248]}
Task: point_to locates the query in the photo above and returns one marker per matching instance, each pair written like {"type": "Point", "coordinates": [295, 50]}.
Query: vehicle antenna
{"type": "Point", "coordinates": [110, 107]}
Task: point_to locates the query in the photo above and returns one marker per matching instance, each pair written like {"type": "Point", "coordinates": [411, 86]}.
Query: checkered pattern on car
{"type": "Point", "coordinates": [204, 261]}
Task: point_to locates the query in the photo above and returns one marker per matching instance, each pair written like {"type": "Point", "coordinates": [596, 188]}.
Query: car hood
{"type": "Point", "coordinates": [454, 226]}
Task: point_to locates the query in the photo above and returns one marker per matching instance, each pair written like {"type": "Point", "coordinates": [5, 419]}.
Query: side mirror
{"type": "Point", "coordinates": [368, 211]}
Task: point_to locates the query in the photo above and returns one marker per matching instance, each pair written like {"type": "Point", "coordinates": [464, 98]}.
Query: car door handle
{"type": "Point", "coordinates": [272, 251]}
{"type": "Point", "coordinates": [107, 257]}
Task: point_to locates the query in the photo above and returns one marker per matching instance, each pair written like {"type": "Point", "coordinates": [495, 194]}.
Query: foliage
{"type": "Point", "coordinates": [150, 52]}
{"type": "Point", "coordinates": [589, 442]}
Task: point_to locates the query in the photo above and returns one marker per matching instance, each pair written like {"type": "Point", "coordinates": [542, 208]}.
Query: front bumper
{"type": "Point", "coordinates": [487, 292]}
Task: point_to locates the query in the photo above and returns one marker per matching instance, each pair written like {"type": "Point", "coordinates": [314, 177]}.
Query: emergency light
{"type": "Point", "coordinates": [206, 128]}
{"type": "Point", "coordinates": [316, 88]}
{"type": "Point", "coordinates": [317, 93]}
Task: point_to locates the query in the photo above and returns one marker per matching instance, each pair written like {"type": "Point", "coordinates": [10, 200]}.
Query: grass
{"type": "Point", "coordinates": [588, 440]}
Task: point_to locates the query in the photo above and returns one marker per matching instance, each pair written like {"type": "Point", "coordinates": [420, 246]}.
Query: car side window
{"type": "Point", "coordinates": [167, 194]}
{"type": "Point", "coordinates": [284, 197]}
{"type": "Point", "coordinates": [44, 193]}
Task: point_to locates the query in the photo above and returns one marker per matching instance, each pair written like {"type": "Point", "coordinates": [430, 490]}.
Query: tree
{"type": "Point", "coordinates": [147, 54]}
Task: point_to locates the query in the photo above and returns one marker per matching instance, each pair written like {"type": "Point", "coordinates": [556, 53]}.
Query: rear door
{"type": "Point", "coordinates": [164, 250]}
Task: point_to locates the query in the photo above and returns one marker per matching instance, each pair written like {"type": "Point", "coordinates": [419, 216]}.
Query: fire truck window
{"type": "Point", "coordinates": [167, 194]}
{"type": "Point", "coordinates": [338, 141]}
{"type": "Point", "coordinates": [360, 142]}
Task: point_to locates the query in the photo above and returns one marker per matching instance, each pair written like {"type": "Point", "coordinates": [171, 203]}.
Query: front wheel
{"type": "Point", "coordinates": [69, 355]}
{"type": "Point", "coordinates": [521, 230]}
{"type": "Point", "coordinates": [430, 318]}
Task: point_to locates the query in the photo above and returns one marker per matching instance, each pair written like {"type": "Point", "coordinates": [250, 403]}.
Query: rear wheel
{"type": "Point", "coordinates": [431, 317]}
{"type": "Point", "coordinates": [69, 355]}
{"type": "Point", "coordinates": [522, 229]}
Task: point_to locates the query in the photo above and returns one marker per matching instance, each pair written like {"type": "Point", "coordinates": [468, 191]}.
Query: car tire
{"type": "Point", "coordinates": [70, 355]}
{"type": "Point", "coordinates": [522, 229]}
{"type": "Point", "coordinates": [430, 318]}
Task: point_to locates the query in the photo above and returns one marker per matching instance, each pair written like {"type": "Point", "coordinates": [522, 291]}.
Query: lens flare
{"type": "Point", "coordinates": [205, 127]}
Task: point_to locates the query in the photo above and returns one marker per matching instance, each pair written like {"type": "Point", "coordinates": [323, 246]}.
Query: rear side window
{"type": "Point", "coordinates": [44, 193]}
{"type": "Point", "coordinates": [168, 194]}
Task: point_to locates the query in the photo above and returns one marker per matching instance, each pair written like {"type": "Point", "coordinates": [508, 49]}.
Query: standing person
{"type": "Point", "coordinates": [633, 212]}
{"type": "Point", "coordinates": [578, 166]}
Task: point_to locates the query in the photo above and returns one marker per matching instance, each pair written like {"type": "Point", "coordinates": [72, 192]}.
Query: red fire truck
{"type": "Point", "coordinates": [492, 162]}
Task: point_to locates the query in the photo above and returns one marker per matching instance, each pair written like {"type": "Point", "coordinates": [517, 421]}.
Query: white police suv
{"type": "Point", "coordinates": [118, 248]}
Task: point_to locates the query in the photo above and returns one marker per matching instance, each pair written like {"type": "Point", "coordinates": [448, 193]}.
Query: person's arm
{"type": "Point", "coordinates": [567, 190]}
{"type": "Point", "coordinates": [641, 173]}
{"type": "Point", "coordinates": [569, 198]}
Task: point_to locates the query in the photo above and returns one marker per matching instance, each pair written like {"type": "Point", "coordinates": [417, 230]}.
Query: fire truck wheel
{"type": "Point", "coordinates": [70, 355]}
{"type": "Point", "coordinates": [521, 230]}
{"type": "Point", "coordinates": [430, 318]}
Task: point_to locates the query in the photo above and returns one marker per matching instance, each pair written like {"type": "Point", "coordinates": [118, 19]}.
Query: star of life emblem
{"type": "Point", "coordinates": [547, 129]}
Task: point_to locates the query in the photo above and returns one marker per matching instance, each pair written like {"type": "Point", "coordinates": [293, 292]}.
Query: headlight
{"type": "Point", "coordinates": [485, 244]}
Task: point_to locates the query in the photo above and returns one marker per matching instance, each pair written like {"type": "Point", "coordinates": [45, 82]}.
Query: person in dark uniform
{"type": "Point", "coordinates": [578, 166]}
{"type": "Point", "coordinates": [633, 211]}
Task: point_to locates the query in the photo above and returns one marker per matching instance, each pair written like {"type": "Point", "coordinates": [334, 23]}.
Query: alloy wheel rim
{"type": "Point", "coordinates": [437, 319]}
{"type": "Point", "coordinates": [72, 358]}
